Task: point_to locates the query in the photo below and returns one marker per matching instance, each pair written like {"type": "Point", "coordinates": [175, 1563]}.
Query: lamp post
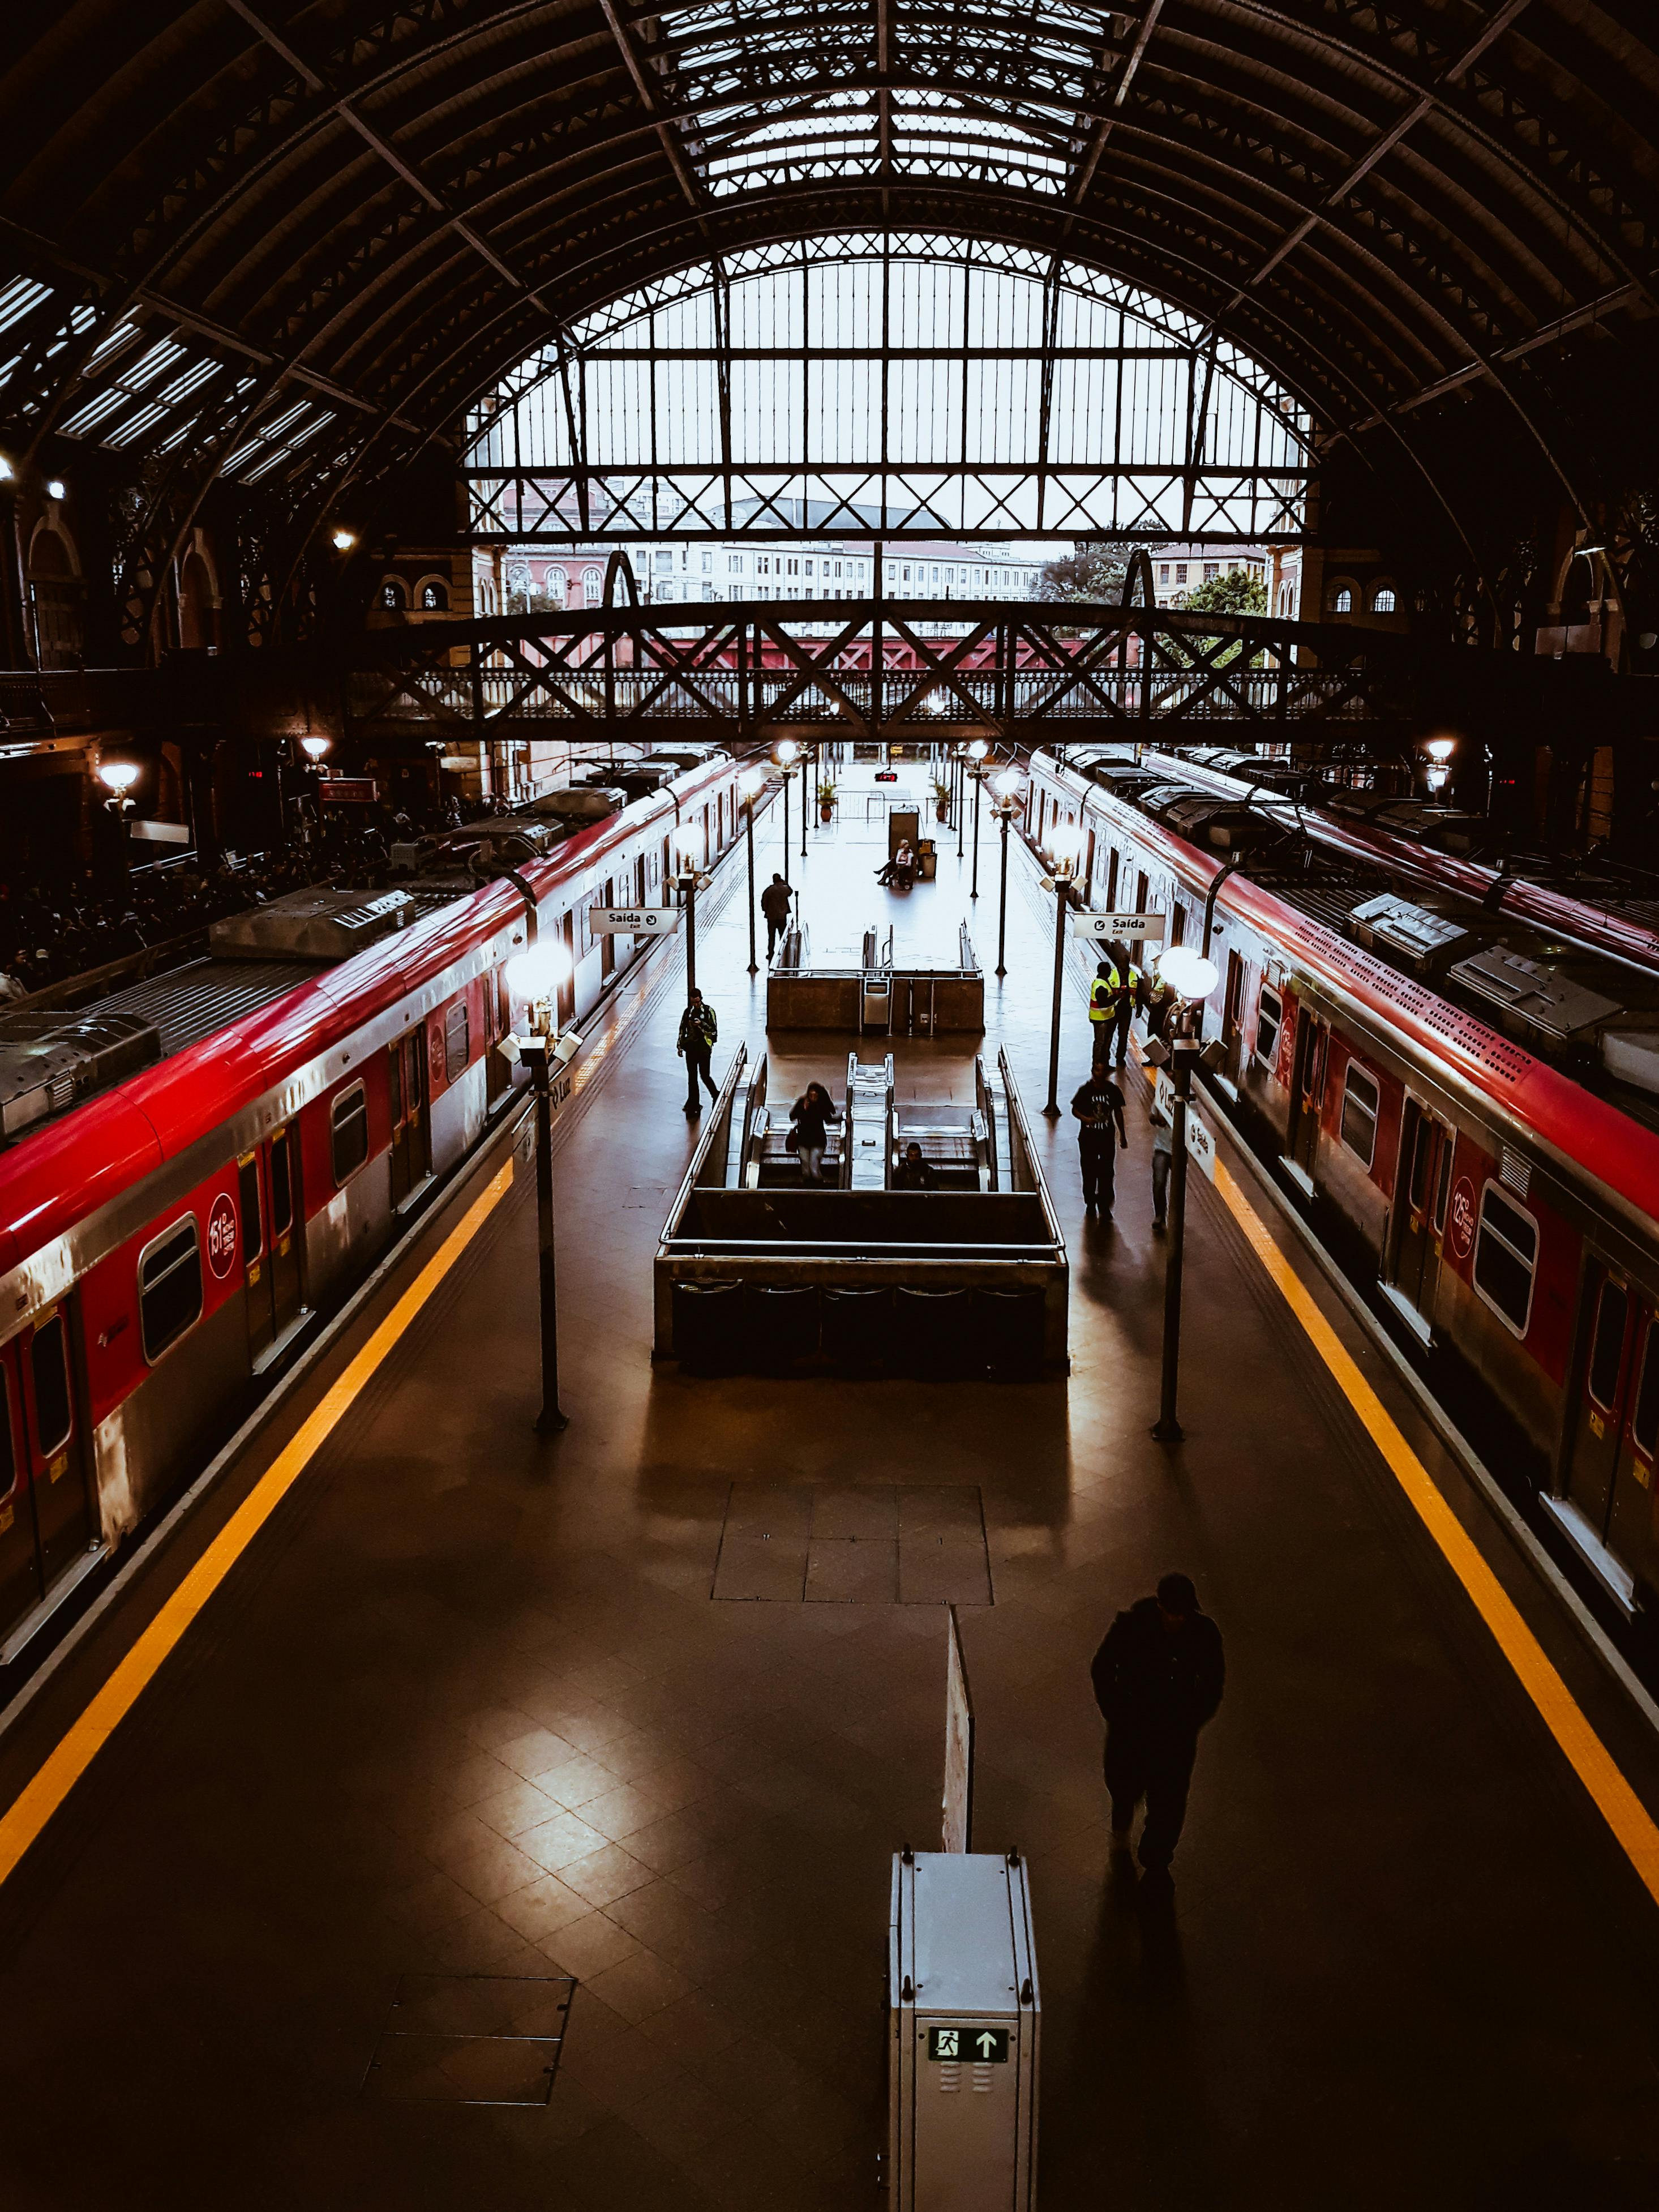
{"type": "Point", "coordinates": [1008, 787]}
{"type": "Point", "coordinates": [537, 975]}
{"type": "Point", "coordinates": [1063, 851]}
{"type": "Point", "coordinates": [1192, 978]}
{"type": "Point", "coordinates": [784, 753]}
{"type": "Point", "coordinates": [750, 785]}
{"type": "Point", "coordinates": [117, 778]}
{"type": "Point", "coordinates": [977, 750]}
{"type": "Point", "coordinates": [689, 880]}
{"type": "Point", "coordinates": [805, 810]}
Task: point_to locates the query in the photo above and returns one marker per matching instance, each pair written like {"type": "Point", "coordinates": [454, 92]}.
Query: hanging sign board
{"type": "Point", "coordinates": [957, 1826]}
{"type": "Point", "coordinates": [631, 920]}
{"type": "Point", "coordinates": [1129, 926]}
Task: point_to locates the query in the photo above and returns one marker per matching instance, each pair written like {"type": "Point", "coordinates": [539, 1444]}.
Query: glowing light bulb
{"type": "Point", "coordinates": [1187, 974]}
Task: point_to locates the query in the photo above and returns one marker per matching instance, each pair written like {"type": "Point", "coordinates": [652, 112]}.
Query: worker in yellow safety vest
{"type": "Point", "coordinates": [1159, 1002]}
{"type": "Point", "coordinates": [1112, 998]}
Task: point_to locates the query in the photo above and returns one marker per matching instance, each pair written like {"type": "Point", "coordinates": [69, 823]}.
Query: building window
{"type": "Point", "coordinates": [1506, 1258]}
{"type": "Point", "coordinates": [169, 1294]}
{"type": "Point", "coordinates": [1342, 600]}
{"type": "Point", "coordinates": [707, 564]}
{"type": "Point", "coordinates": [1211, 570]}
{"type": "Point", "coordinates": [892, 572]}
{"type": "Point", "coordinates": [434, 599]}
{"type": "Point", "coordinates": [1180, 572]}
{"type": "Point", "coordinates": [593, 586]}
{"type": "Point", "coordinates": [1360, 1098]}
{"type": "Point", "coordinates": [1383, 599]}
{"type": "Point", "coordinates": [349, 1133]}
{"type": "Point", "coordinates": [1269, 1015]}
{"type": "Point", "coordinates": [392, 592]}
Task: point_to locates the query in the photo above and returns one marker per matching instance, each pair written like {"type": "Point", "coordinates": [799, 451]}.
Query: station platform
{"type": "Point", "coordinates": [471, 1762]}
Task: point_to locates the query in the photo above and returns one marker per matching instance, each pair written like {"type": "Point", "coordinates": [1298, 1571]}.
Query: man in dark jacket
{"type": "Point", "coordinates": [774, 905]}
{"type": "Point", "coordinates": [698, 1030]}
{"type": "Point", "coordinates": [1157, 1679]}
{"type": "Point", "coordinates": [1098, 1107]}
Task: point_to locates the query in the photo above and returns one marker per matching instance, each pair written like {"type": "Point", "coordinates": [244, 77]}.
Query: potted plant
{"type": "Point", "coordinates": [941, 799]}
{"type": "Point", "coordinates": [826, 800]}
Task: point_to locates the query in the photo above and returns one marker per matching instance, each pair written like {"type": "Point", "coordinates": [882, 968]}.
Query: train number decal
{"type": "Point", "coordinates": [1461, 1221]}
{"type": "Point", "coordinates": [221, 1237]}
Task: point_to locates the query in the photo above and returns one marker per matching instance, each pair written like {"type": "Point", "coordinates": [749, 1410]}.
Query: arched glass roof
{"type": "Point", "coordinates": [910, 383]}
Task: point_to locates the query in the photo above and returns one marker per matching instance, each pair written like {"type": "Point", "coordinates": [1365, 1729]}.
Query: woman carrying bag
{"type": "Point", "coordinates": [811, 1115]}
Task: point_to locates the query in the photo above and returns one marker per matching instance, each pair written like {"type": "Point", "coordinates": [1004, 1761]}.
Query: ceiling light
{"type": "Point", "coordinates": [342, 539]}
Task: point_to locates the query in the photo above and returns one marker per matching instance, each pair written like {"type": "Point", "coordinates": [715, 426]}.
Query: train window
{"type": "Point", "coordinates": [1269, 1015]}
{"type": "Point", "coordinates": [49, 1371]}
{"type": "Point", "coordinates": [169, 1287]}
{"type": "Point", "coordinates": [281, 1186]}
{"type": "Point", "coordinates": [1443, 1187]}
{"type": "Point", "coordinates": [457, 1043]}
{"type": "Point", "coordinates": [1506, 1258]}
{"type": "Point", "coordinates": [1645, 1421]}
{"type": "Point", "coordinates": [247, 1207]}
{"type": "Point", "coordinates": [1360, 1103]}
{"type": "Point", "coordinates": [349, 1124]}
{"type": "Point", "coordinates": [1607, 1345]}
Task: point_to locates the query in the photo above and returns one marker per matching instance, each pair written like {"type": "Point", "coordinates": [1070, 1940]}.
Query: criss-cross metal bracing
{"type": "Point", "coordinates": [918, 670]}
{"type": "Point", "coordinates": [287, 243]}
{"type": "Point", "coordinates": [934, 386]}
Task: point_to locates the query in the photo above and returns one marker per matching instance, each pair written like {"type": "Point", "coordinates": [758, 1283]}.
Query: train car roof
{"type": "Point", "coordinates": [61, 1174]}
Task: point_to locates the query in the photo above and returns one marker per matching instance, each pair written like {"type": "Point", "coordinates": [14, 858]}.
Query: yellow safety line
{"type": "Point", "coordinates": [1590, 1758]}
{"type": "Point", "coordinates": [69, 1760]}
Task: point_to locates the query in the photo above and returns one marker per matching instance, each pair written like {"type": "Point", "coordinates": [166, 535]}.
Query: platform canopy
{"type": "Point", "coordinates": [292, 244]}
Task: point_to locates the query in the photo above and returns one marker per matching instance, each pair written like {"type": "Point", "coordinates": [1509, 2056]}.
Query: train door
{"type": "Point", "coordinates": [1232, 1017]}
{"type": "Point", "coordinates": [55, 1446]}
{"type": "Point", "coordinates": [253, 1220]}
{"type": "Point", "coordinates": [281, 1153]}
{"type": "Point", "coordinates": [1634, 1523]}
{"type": "Point", "coordinates": [607, 943]}
{"type": "Point", "coordinates": [1307, 1091]}
{"type": "Point", "coordinates": [407, 1089]}
{"type": "Point", "coordinates": [1111, 878]}
{"type": "Point", "coordinates": [1422, 1186]}
{"type": "Point", "coordinates": [1089, 872]}
{"type": "Point", "coordinates": [20, 1557]}
{"type": "Point", "coordinates": [1616, 1411]}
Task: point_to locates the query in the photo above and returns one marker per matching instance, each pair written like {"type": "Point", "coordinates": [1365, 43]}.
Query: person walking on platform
{"type": "Point", "coordinates": [1157, 1679]}
{"type": "Point", "coordinates": [774, 905]}
{"type": "Point", "coordinates": [1098, 1107]}
{"type": "Point", "coordinates": [809, 1114]}
{"type": "Point", "coordinates": [698, 1031]}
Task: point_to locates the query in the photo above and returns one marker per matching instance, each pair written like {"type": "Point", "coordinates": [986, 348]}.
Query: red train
{"type": "Point", "coordinates": [167, 1235]}
{"type": "Point", "coordinates": [1465, 1102]}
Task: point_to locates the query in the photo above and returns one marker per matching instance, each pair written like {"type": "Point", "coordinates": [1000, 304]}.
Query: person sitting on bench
{"type": "Point", "coordinates": [901, 869]}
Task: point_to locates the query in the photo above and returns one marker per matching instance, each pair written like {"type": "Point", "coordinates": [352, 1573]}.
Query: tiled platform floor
{"type": "Point", "coordinates": [469, 1706]}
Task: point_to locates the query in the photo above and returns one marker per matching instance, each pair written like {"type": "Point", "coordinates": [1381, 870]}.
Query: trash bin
{"type": "Point", "coordinates": [708, 1333]}
{"type": "Point", "coordinates": [1008, 1330]}
{"type": "Point", "coordinates": [782, 1322]}
{"type": "Point", "coordinates": [858, 1328]}
{"type": "Point", "coordinates": [933, 1333]}
{"type": "Point", "coordinates": [927, 859]}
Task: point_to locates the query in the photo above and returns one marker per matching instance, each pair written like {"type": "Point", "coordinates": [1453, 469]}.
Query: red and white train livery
{"type": "Point", "coordinates": [164, 1241]}
{"type": "Point", "coordinates": [1503, 1213]}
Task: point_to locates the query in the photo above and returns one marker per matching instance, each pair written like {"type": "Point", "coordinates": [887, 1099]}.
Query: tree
{"type": "Point", "coordinates": [1239, 593]}
{"type": "Point", "coordinates": [1093, 571]}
